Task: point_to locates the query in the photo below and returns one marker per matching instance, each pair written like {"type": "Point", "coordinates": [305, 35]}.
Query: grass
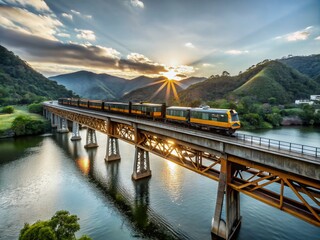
{"type": "Point", "coordinates": [7, 119]}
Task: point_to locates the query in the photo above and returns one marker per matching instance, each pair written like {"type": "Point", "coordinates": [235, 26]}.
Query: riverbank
{"type": "Point", "coordinates": [29, 120]}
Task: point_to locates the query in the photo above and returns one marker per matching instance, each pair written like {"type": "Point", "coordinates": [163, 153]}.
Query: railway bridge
{"type": "Point", "coordinates": [281, 174]}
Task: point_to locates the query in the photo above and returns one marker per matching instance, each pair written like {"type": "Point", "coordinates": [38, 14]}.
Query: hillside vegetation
{"type": "Point", "coordinates": [20, 84]}
{"type": "Point", "coordinates": [308, 65]}
{"type": "Point", "coordinates": [270, 79]}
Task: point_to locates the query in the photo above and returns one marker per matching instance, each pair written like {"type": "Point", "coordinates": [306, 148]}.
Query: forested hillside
{"type": "Point", "coordinates": [308, 65]}
{"type": "Point", "coordinates": [263, 81]}
{"type": "Point", "coordinates": [20, 84]}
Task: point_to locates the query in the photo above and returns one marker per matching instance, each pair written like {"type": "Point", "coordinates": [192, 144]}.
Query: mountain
{"type": "Point", "coordinates": [20, 84]}
{"type": "Point", "coordinates": [263, 81]}
{"type": "Point", "coordinates": [100, 86]}
{"type": "Point", "coordinates": [185, 83]}
{"type": "Point", "coordinates": [157, 92]}
{"type": "Point", "coordinates": [308, 65]}
{"type": "Point", "coordinates": [92, 85]}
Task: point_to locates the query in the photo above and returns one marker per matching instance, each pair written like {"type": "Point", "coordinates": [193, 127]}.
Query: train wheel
{"type": "Point", "coordinates": [230, 131]}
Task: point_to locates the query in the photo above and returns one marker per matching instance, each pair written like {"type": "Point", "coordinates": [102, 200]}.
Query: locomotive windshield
{"type": "Point", "coordinates": [234, 117]}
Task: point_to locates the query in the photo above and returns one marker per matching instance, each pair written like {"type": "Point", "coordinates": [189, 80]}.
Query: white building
{"type": "Point", "coordinates": [303, 101]}
{"type": "Point", "coordinates": [315, 97]}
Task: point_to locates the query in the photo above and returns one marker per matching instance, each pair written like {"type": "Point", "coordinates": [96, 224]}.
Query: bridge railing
{"type": "Point", "coordinates": [279, 145]}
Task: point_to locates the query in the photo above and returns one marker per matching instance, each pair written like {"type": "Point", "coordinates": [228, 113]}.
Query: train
{"type": "Point", "coordinates": [224, 121]}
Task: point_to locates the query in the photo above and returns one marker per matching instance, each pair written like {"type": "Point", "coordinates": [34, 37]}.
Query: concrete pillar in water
{"type": "Point", "coordinates": [75, 132]}
{"type": "Point", "coordinates": [53, 120]}
{"type": "Point", "coordinates": [91, 140]}
{"type": "Point", "coordinates": [228, 227]}
{"type": "Point", "coordinates": [112, 153]}
{"type": "Point", "coordinates": [62, 125]}
{"type": "Point", "coordinates": [141, 167]}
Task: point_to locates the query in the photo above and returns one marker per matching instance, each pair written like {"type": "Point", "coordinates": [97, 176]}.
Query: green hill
{"type": "Point", "coordinates": [263, 81]}
{"type": "Point", "coordinates": [20, 84]}
{"type": "Point", "coordinates": [279, 81]}
{"type": "Point", "coordinates": [308, 65]}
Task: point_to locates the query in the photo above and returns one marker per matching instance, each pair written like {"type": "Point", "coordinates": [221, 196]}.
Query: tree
{"type": "Point", "coordinates": [225, 74]}
{"type": "Point", "coordinates": [62, 226]}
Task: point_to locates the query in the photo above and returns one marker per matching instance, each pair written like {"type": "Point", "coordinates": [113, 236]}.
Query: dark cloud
{"type": "Point", "coordinates": [44, 50]}
{"type": "Point", "coordinates": [181, 75]}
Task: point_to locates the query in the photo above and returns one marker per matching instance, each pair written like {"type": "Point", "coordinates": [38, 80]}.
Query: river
{"type": "Point", "coordinates": [43, 174]}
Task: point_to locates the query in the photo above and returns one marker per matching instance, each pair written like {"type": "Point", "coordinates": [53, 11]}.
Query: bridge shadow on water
{"type": "Point", "coordinates": [135, 207]}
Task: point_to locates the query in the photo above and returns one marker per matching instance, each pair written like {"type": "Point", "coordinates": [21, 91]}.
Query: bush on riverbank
{"type": "Point", "coordinates": [25, 125]}
{"type": "Point", "coordinates": [35, 108]}
{"type": "Point", "coordinates": [8, 109]}
{"type": "Point", "coordinates": [61, 226]}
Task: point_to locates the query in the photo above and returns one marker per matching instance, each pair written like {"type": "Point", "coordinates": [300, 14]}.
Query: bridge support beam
{"type": "Point", "coordinates": [62, 125]}
{"type": "Point", "coordinates": [113, 153]}
{"type": "Point", "coordinates": [141, 167]}
{"type": "Point", "coordinates": [91, 139]}
{"type": "Point", "coordinates": [228, 227]}
{"type": "Point", "coordinates": [75, 132]}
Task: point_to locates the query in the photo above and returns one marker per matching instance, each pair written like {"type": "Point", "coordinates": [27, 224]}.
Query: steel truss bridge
{"type": "Point", "coordinates": [281, 174]}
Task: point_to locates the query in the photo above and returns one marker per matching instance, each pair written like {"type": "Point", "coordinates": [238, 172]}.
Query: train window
{"type": "Point", "coordinates": [234, 117]}
{"type": "Point", "coordinates": [205, 116]}
{"type": "Point", "coordinates": [223, 118]}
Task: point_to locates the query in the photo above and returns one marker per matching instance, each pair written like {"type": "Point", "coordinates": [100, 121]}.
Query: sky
{"type": "Point", "coordinates": [173, 38]}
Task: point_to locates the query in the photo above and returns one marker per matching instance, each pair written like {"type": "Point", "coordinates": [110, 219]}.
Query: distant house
{"type": "Point", "coordinates": [307, 101]}
{"type": "Point", "coordinates": [303, 101]}
{"type": "Point", "coordinates": [315, 97]}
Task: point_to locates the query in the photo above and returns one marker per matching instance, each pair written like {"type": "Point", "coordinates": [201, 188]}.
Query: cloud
{"type": "Point", "coordinates": [236, 52]}
{"type": "Point", "coordinates": [317, 38]}
{"type": "Point", "coordinates": [207, 65]}
{"type": "Point", "coordinates": [89, 56]}
{"type": "Point", "coordinates": [64, 35]}
{"type": "Point", "coordinates": [80, 14]}
{"type": "Point", "coordinates": [75, 12]}
{"type": "Point", "coordinates": [296, 36]}
{"type": "Point", "coordinates": [38, 5]}
{"type": "Point", "coordinates": [85, 34]}
{"type": "Point", "coordinates": [189, 45]}
{"type": "Point", "coordinates": [137, 3]}
{"type": "Point", "coordinates": [66, 15]}
{"type": "Point", "coordinates": [45, 26]}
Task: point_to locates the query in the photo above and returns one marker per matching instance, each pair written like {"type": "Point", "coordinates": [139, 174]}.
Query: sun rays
{"type": "Point", "coordinates": [170, 89]}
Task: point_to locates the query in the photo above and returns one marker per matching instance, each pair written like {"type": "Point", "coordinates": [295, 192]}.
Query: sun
{"type": "Point", "coordinates": [171, 75]}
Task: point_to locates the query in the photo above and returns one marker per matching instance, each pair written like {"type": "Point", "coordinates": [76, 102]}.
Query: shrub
{"type": "Point", "coordinates": [35, 108]}
{"type": "Point", "coordinates": [8, 109]}
{"type": "Point", "coordinates": [25, 125]}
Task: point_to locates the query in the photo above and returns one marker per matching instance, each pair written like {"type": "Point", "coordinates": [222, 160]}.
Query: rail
{"type": "Point", "coordinates": [279, 145]}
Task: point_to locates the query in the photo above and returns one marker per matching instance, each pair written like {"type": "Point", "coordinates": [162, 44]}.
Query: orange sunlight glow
{"type": "Point", "coordinates": [84, 165]}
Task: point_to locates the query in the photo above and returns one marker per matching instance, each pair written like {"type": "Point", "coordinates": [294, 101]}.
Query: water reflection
{"type": "Point", "coordinates": [106, 178]}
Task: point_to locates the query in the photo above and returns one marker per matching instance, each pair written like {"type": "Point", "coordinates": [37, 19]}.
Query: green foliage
{"type": "Point", "coordinates": [35, 108]}
{"type": "Point", "coordinates": [62, 226]}
{"type": "Point", "coordinates": [308, 65]}
{"type": "Point", "coordinates": [26, 125]}
{"type": "Point", "coordinates": [20, 84]}
{"type": "Point", "coordinates": [8, 109]}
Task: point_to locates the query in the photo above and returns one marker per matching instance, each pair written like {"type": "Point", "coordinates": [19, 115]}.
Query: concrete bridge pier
{"type": "Point", "coordinates": [62, 125]}
{"type": "Point", "coordinates": [75, 132]}
{"type": "Point", "coordinates": [228, 227]}
{"type": "Point", "coordinates": [53, 120]}
{"type": "Point", "coordinates": [112, 153]}
{"type": "Point", "coordinates": [91, 139]}
{"type": "Point", "coordinates": [141, 167]}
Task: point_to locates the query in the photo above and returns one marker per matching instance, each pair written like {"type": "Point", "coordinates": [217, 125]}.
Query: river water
{"type": "Point", "coordinates": [43, 174]}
